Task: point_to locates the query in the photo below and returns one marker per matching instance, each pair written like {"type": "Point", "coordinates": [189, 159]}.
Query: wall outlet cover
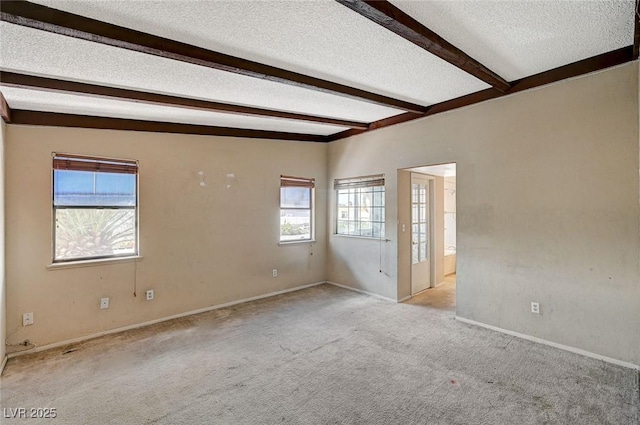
{"type": "Point", "coordinates": [149, 294]}
{"type": "Point", "coordinates": [27, 319]}
{"type": "Point", "coordinates": [104, 303]}
{"type": "Point", "coordinates": [535, 307]}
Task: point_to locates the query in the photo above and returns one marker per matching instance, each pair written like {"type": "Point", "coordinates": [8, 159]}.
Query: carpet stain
{"type": "Point", "coordinates": [542, 402]}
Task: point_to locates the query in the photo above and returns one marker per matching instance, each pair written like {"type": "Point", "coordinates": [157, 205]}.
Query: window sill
{"type": "Point", "coordinates": [91, 263]}
{"type": "Point", "coordinates": [367, 238]}
{"type": "Point", "coordinates": [297, 242]}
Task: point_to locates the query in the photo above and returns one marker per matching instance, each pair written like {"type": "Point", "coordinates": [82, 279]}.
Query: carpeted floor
{"type": "Point", "coordinates": [323, 355]}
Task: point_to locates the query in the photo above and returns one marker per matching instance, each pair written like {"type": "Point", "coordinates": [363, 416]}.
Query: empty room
{"type": "Point", "coordinates": [320, 212]}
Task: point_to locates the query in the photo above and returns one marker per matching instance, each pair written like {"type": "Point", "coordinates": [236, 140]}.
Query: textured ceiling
{"type": "Point", "coordinates": [41, 53]}
{"type": "Point", "coordinates": [517, 39]}
{"type": "Point", "coordinates": [319, 38]}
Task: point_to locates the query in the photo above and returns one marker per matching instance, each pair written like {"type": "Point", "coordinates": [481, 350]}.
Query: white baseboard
{"type": "Point", "coordinates": [401, 300]}
{"type": "Point", "coordinates": [4, 362]}
{"type": "Point", "coordinates": [153, 322]}
{"type": "Point", "coordinates": [362, 291]}
{"type": "Point", "coordinates": [551, 344]}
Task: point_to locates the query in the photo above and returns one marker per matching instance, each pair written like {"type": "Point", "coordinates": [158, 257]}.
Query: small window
{"type": "Point", "coordinates": [360, 206]}
{"type": "Point", "coordinates": [95, 203]}
{"type": "Point", "coordinates": [296, 209]}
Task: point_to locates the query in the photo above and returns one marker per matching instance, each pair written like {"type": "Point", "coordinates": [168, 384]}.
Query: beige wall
{"type": "Point", "coordinates": [548, 209]}
{"type": "Point", "coordinates": [201, 246]}
{"type": "Point", "coordinates": [3, 292]}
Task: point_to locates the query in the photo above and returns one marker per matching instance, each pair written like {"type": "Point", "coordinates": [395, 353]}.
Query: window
{"type": "Point", "coordinates": [296, 208]}
{"type": "Point", "coordinates": [95, 203]}
{"type": "Point", "coordinates": [360, 206]}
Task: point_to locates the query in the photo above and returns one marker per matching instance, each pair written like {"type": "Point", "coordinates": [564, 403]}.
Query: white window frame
{"type": "Point", "coordinates": [356, 186]}
{"type": "Point", "coordinates": [72, 161]}
{"type": "Point", "coordinates": [299, 182]}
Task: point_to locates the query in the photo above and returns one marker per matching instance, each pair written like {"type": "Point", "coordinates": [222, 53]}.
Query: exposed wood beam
{"type": "Point", "coordinates": [595, 63]}
{"type": "Point", "coordinates": [5, 111]}
{"type": "Point", "coordinates": [385, 122]}
{"type": "Point", "coordinates": [636, 31]}
{"type": "Point", "coordinates": [585, 66]}
{"type": "Point", "coordinates": [392, 18]}
{"type": "Point", "coordinates": [575, 69]}
{"type": "Point", "coordinates": [55, 119]}
{"type": "Point", "coordinates": [13, 79]}
{"type": "Point", "coordinates": [59, 22]}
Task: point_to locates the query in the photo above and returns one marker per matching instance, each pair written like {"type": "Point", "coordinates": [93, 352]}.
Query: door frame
{"type": "Point", "coordinates": [403, 218]}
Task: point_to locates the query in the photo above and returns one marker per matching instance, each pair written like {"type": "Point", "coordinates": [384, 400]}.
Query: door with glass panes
{"type": "Point", "coordinates": [420, 233]}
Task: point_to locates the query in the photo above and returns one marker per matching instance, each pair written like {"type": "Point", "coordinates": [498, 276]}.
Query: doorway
{"type": "Point", "coordinates": [427, 231]}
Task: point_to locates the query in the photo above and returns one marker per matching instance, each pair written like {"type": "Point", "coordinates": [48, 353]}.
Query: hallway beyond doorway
{"type": "Point", "coordinates": [442, 297]}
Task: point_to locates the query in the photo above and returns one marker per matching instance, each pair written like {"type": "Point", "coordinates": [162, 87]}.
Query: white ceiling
{"type": "Point", "coordinates": [320, 38]}
{"type": "Point", "coordinates": [41, 53]}
{"type": "Point", "coordinates": [517, 39]}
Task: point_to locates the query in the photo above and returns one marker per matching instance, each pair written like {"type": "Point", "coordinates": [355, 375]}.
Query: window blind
{"type": "Point", "coordinates": [288, 181]}
{"type": "Point", "coordinates": [358, 182]}
{"type": "Point", "coordinates": [94, 164]}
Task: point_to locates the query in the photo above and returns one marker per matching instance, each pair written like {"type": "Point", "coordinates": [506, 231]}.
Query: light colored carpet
{"type": "Point", "coordinates": [323, 355]}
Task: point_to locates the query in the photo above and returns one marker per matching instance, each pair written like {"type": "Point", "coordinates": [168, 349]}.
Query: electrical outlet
{"type": "Point", "coordinates": [535, 308]}
{"type": "Point", "coordinates": [27, 319]}
{"type": "Point", "coordinates": [149, 294]}
{"type": "Point", "coordinates": [275, 272]}
{"type": "Point", "coordinates": [104, 303]}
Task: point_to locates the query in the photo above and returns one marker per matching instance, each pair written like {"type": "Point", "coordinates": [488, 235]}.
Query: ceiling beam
{"type": "Point", "coordinates": [595, 63]}
{"type": "Point", "coordinates": [24, 81]}
{"type": "Point", "coordinates": [5, 111]}
{"type": "Point", "coordinates": [636, 31]}
{"type": "Point", "coordinates": [575, 69]}
{"type": "Point", "coordinates": [63, 23]}
{"type": "Point", "coordinates": [392, 18]}
{"type": "Point", "coordinates": [54, 119]}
